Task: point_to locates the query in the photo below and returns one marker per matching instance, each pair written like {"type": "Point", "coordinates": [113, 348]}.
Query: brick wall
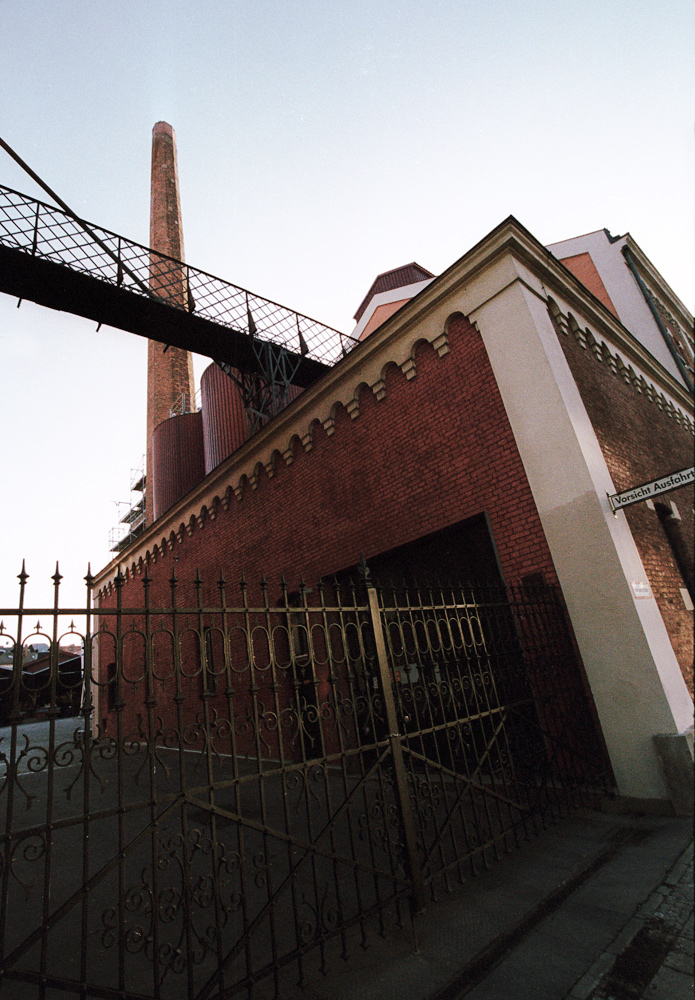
{"type": "Point", "coordinates": [166, 234]}
{"type": "Point", "coordinates": [437, 449]}
{"type": "Point", "coordinates": [641, 441]}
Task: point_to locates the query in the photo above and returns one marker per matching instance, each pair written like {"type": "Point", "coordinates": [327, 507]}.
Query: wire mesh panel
{"type": "Point", "coordinates": [42, 231]}
{"type": "Point", "coordinates": [229, 795]}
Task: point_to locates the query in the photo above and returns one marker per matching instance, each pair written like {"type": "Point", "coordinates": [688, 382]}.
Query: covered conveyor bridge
{"type": "Point", "coordinates": [55, 259]}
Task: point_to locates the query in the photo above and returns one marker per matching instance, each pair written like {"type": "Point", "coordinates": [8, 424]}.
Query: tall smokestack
{"type": "Point", "coordinates": [170, 374]}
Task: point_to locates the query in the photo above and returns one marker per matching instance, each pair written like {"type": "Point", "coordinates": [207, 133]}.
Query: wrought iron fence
{"type": "Point", "coordinates": [230, 795]}
{"type": "Point", "coordinates": [38, 229]}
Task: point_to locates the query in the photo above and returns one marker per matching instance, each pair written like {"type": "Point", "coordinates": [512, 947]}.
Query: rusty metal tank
{"type": "Point", "coordinates": [224, 419]}
{"type": "Point", "coordinates": [177, 459]}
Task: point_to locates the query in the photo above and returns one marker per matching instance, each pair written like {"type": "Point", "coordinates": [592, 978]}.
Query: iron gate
{"type": "Point", "coordinates": [232, 794]}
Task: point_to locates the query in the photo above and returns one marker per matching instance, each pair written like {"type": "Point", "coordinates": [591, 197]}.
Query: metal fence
{"type": "Point", "coordinates": [234, 795]}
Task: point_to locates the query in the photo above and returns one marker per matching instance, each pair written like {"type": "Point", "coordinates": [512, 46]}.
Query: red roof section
{"type": "Point", "coordinates": [582, 266]}
{"type": "Point", "coordinates": [408, 274]}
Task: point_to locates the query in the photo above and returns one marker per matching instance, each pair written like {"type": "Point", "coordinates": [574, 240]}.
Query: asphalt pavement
{"type": "Point", "coordinates": [599, 907]}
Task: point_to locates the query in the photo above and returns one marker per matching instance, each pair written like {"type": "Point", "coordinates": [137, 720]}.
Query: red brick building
{"type": "Point", "coordinates": [478, 430]}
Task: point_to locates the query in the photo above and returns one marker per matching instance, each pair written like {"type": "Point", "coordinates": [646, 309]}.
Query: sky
{"type": "Point", "coordinates": [319, 144]}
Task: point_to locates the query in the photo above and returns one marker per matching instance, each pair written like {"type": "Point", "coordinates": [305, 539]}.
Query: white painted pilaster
{"type": "Point", "coordinates": [636, 682]}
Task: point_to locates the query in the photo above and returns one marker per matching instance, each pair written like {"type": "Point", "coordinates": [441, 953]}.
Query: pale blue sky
{"type": "Point", "coordinates": [319, 143]}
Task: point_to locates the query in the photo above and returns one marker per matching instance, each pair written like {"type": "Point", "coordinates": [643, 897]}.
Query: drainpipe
{"type": "Point", "coordinates": [629, 260]}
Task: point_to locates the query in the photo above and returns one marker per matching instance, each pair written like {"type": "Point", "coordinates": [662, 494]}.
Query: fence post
{"type": "Point", "coordinates": [394, 737]}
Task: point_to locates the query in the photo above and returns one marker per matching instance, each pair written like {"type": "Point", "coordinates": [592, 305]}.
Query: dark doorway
{"type": "Point", "coordinates": [465, 551]}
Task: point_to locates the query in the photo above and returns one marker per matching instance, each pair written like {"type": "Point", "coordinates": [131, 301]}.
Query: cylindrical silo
{"type": "Point", "coordinates": [177, 459]}
{"type": "Point", "coordinates": [224, 419]}
{"type": "Point", "coordinates": [292, 392]}
{"type": "Point", "coordinates": [225, 426]}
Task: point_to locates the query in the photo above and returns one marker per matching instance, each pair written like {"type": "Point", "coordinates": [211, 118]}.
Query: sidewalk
{"type": "Point", "coordinates": [653, 953]}
{"type": "Point", "coordinates": [599, 907]}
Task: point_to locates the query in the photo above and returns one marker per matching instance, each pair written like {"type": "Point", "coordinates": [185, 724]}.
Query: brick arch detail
{"type": "Point", "coordinates": [616, 364]}
{"type": "Point", "coordinates": [254, 476]}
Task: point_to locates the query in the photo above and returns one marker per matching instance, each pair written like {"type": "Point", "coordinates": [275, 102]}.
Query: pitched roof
{"type": "Point", "coordinates": [408, 274]}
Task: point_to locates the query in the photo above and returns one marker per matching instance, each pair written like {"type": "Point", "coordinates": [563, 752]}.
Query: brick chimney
{"type": "Point", "coordinates": [170, 374]}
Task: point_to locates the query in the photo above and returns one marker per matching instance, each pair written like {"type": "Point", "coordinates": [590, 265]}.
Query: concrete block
{"type": "Point", "coordinates": [682, 870]}
{"type": "Point", "coordinates": [675, 752]}
{"type": "Point", "coordinates": [630, 805]}
{"type": "Point", "coordinates": [623, 939]}
{"type": "Point", "coordinates": [669, 984]}
{"type": "Point", "coordinates": [651, 906]}
{"type": "Point", "coordinates": [681, 963]}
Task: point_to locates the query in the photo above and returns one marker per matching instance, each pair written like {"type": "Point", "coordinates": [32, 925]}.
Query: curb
{"type": "Point", "coordinates": [475, 971]}
{"type": "Point", "coordinates": [648, 943]}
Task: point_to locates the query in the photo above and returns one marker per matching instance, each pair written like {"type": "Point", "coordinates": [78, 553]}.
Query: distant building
{"type": "Point", "coordinates": [621, 276]}
{"type": "Point", "coordinates": [34, 692]}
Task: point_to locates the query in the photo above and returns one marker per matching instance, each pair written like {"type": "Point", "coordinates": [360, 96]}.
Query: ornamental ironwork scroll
{"type": "Point", "coordinates": [239, 785]}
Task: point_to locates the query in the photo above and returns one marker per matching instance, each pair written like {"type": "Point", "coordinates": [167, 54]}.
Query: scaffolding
{"type": "Point", "coordinates": [185, 403]}
{"type": "Point", "coordinates": [131, 513]}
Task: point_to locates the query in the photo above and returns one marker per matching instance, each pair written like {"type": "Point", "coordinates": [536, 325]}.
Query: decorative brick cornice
{"type": "Point", "coordinates": [408, 368]}
{"type": "Point", "coordinates": [508, 256]}
{"type": "Point", "coordinates": [619, 366]}
{"type": "Point", "coordinates": [441, 343]}
{"type": "Point", "coordinates": [275, 443]}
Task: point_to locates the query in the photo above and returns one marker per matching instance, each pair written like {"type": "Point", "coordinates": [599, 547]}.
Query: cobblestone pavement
{"type": "Point", "coordinates": [652, 956]}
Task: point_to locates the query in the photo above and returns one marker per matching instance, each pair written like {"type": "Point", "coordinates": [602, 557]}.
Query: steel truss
{"type": "Point", "coordinates": [58, 260]}
{"type": "Point", "coordinates": [268, 389]}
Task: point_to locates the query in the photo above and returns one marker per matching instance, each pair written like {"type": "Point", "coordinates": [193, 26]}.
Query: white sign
{"type": "Point", "coordinates": [653, 489]}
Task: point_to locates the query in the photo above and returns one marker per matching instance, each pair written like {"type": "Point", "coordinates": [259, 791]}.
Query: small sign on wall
{"type": "Point", "coordinates": [648, 490]}
{"type": "Point", "coordinates": [640, 588]}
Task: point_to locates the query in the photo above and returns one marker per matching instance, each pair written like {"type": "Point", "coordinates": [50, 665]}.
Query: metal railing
{"type": "Point", "coordinates": [40, 230]}
{"type": "Point", "coordinates": [243, 787]}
